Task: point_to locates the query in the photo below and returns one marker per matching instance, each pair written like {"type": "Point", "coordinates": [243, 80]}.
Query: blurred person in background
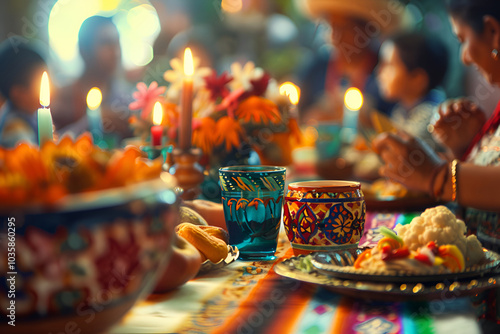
{"type": "Point", "coordinates": [357, 28]}
{"type": "Point", "coordinates": [99, 47]}
{"type": "Point", "coordinates": [411, 69]}
{"type": "Point", "coordinates": [21, 69]}
{"type": "Point", "coordinates": [471, 176]}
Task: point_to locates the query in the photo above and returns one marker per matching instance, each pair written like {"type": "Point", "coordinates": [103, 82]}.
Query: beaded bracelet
{"type": "Point", "coordinates": [454, 174]}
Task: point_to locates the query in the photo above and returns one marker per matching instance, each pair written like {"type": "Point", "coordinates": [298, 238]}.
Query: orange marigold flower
{"type": "Point", "coordinates": [204, 136]}
{"type": "Point", "coordinates": [295, 130]}
{"type": "Point", "coordinates": [259, 109]}
{"type": "Point", "coordinates": [170, 114]}
{"type": "Point", "coordinates": [228, 130]}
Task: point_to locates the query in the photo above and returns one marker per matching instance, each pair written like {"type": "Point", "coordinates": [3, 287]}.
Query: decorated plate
{"type": "Point", "coordinates": [392, 203]}
{"type": "Point", "coordinates": [339, 264]}
{"type": "Point", "coordinates": [301, 268]}
{"type": "Point", "coordinates": [386, 195]}
{"type": "Point", "coordinates": [209, 266]}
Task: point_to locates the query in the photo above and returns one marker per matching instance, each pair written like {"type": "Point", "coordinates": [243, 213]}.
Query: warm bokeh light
{"type": "Point", "coordinates": [108, 5]}
{"type": "Point", "coordinates": [188, 62]}
{"type": "Point", "coordinates": [94, 98]}
{"type": "Point", "coordinates": [143, 20]}
{"type": "Point", "coordinates": [137, 23]}
{"type": "Point", "coordinates": [310, 136]}
{"type": "Point", "coordinates": [353, 99]}
{"type": "Point", "coordinates": [45, 90]}
{"type": "Point", "coordinates": [291, 90]}
{"type": "Point", "coordinates": [231, 6]}
{"type": "Point", "coordinates": [157, 113]}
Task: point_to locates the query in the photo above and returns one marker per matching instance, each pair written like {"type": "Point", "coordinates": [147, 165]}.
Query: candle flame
{"type": "Point", "coordinates": [94, 98]}
{"type": "Point", "coordinates": [188, 62]}
{"type": "Point", "coordinates": [45, 90]}
{"type": "Point", "coordinates": [291, 90]}
{"type": "Point", "coordinates": [353, 99]}
{"type": "Point", "coordinates": [157, 113]}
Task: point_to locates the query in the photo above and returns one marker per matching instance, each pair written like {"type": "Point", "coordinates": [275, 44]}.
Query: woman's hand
{"type": "Point", "coordinates": [408, 160]}
{"type": "Point", "coordinates": [459, 121]}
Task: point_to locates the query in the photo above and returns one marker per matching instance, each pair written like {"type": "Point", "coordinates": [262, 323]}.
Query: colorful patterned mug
{"type": "Point", "coordinates": [324, 215]}
{"type": "Point", "coordinates": [252, 198]}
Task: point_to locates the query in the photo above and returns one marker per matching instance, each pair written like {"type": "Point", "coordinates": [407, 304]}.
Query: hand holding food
{"type": "Point", "coordinates": [408, 160]}
{"type": "Point", "coordinates": [459, 121]}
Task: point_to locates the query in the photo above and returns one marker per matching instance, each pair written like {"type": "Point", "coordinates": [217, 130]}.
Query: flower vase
{"type": "Point", "coordinates": [277, 151]}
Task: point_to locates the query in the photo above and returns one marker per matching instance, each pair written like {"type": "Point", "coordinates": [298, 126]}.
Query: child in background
{"type": "Point", "coordinates": [411, 67]}
{"type": "Point", "coordinates": [21, 69]}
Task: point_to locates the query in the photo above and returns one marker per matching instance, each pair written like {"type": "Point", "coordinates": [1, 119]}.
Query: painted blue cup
{"type": "Point", "coordinates": [252, 197]}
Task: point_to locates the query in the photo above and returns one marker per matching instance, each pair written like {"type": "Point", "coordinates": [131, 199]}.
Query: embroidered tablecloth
{"type": "Point", "coordinates": [249, 297]}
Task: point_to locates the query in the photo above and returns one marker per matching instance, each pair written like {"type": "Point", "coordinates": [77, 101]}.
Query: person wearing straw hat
{"type": "Point", "coordinates": [358, 26]}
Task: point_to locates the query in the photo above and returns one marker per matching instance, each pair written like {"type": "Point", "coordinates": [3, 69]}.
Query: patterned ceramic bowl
{"type": "Point", "coordinates": [324, 215]}
{"type": "Point", "coordinates": [81, 266]}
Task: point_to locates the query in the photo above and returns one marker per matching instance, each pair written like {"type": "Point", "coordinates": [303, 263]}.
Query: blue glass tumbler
{"type": "Point", "coordinates": [252, 197]}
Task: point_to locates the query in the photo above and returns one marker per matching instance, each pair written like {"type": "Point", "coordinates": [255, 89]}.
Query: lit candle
{"type": "Point", "coordinates": [293, 92]}
{"type": "Point", "coordinates": [44, 118]}
{"type": "Point", "coordinates": [157, 129]}
{"type": "Point", "coordinates": [353, 99]}
{"type": "Point", "coordinates": [353, 102]}
{"type": "Point", "coordinates": [186, 102]}
{"type": "Point", "coordinates": [94, 99]}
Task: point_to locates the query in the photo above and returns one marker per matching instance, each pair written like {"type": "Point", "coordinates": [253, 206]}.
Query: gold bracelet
{"type": "Point", "coordinates": [454, 174]}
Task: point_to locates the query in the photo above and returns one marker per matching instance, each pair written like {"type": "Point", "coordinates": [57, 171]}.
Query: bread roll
{"type": "Point", "coordinates": [213, 248]}
{"type": "Point", "coordinates": [216, 232]}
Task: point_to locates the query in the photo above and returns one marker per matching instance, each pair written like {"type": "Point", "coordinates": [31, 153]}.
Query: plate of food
{"type": "Point", "coordinates": [432, 247]}
{"type": "Point", "coordinates": [383, 194]}
{"type": "Point", "coordinates": [431, 251]}
{"type": "Point", "coordinates": [301, 268]}
{"type": "Point", "coordinates": [341, 264]}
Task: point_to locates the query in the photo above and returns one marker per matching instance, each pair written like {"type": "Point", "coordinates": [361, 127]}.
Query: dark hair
{"type": "Point", "coordinates": [17, 65]}
{"type": "Point", "coordinates": [418, 51]}
{"type": "Point", "coordinates": [88, 32]}
{"type": "Point", "coordinates": [472, 12]}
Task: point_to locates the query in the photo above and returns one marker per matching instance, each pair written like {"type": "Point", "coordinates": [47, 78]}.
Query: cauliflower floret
{"type": "Point", "coordinates": [440, 225]}
{"type": "Point", "coordinates": [474, 250]}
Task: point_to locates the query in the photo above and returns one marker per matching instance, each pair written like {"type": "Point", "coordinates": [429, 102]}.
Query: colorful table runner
{"type": "Point", "coordinates": [249, 297]}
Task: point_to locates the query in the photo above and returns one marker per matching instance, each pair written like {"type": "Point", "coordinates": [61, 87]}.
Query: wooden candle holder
{"type": "Point", "coordinates": [188, 171]}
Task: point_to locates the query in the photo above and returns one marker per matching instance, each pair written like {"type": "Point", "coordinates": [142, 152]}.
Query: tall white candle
{"type": "Point", "coordinates": [44, 117]}
{"type": "Point", "coordinates": [94, 99]}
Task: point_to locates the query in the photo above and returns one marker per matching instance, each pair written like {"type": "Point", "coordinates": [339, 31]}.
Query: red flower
{"type": "Point", "coordinates": [259, 87]}
{"type": "Point", "coordinates": [217, 85]}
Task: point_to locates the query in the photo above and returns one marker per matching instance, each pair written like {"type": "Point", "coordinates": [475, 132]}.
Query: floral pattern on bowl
{"type": "Point", "coordinates": [85, 264]}
{"type": "Point", "coordinates": [324, 215]}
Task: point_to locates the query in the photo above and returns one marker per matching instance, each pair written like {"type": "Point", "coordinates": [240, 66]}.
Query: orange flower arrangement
{"type": "Point", "coordinates": [228, 110]}
{"type": "Point", "coordinates": [44, 175]}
